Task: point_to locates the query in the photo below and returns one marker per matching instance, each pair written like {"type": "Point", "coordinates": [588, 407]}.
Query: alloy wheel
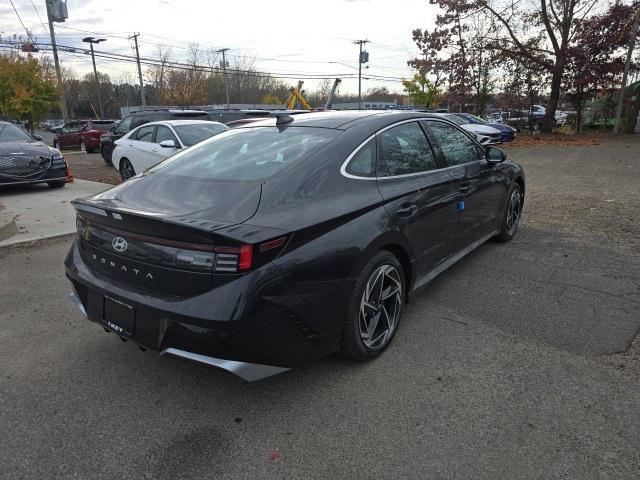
{"type": "Point", "coordinates": [83, 147]}
{"type": "Point", "coordinates": [513, 212]}
{"type": "Point", "coordinates": [126, 169]}
{"type": "Point", "coordinates": [380, 307]}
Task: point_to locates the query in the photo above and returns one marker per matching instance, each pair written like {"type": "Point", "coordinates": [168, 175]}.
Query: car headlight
{"type": "Point", "coordinates": [55, 154]}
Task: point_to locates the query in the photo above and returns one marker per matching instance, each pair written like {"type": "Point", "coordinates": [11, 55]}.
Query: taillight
{"type": "Point", "coordinates": [183, 255]}
{"type": "Point", "coordinates": [233, 259]}
{"type": "Point", "coordinates": [245, 257]}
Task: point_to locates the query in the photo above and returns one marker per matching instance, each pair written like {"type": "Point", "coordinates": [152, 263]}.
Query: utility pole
{"type": "Point", "coordinates": [363, 57]}
{"type": "Point", "coordinates": [632, 44]}
{"type": "Point", "coordinates": [224, 72]}
{"type": "Point", "coordinates": [52, 33]}
{"type": "Point", "coordinates": [135, 38]}
{"type": "Point", "coordinates": [91, 41]}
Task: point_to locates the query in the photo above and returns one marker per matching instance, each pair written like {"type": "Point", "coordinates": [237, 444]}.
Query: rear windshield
{"type": "Point", "coordinates": [247, 153]}
{"type": "Point", "coordinates": [197, 132]}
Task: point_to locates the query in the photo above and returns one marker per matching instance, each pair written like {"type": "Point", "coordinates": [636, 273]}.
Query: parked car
{"type": "Point", "coordinates": [484, 134]}
{"type": "Point", "coordinates": [507, 133]}
{"type": "Point", "coordinates": [269, 246]}
{"type": "Point", "coordinates": [141, 117]}
{"type": "Point", "coordinates": [82, 134]}
{"type": "Point", "coordinates": [56, 127]}
{"type": "Point", "coordinates": [522, 119]}
{"type": "Point", "coordinates": [26, 159]}
{"type": "Point", "coordinates": [153, 142]}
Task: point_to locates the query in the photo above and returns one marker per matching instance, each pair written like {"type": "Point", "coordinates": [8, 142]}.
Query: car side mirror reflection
{"type": "Point", "coordinates": [168, 144]}
{"type": "Point", "coordinates": [495, 155]}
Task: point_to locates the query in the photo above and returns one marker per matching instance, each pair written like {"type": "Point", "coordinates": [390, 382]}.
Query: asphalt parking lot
{"type": "Point", "coordinates": [518, 362]}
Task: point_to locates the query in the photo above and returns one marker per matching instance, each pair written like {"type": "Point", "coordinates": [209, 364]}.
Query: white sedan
{"type": "Point", "coordinates": [153, 142]}
{"type": "Point", "coordinates": [484, 134]}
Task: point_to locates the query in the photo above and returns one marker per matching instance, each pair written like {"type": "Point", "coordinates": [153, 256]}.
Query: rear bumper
{"type": "Point", "coordinates": [262, 318]}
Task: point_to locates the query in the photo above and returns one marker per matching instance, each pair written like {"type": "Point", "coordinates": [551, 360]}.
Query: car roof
{"type": "Point", "coordinates": [342, 119]}
{"type": "Point", "coordinates": [175, 123]}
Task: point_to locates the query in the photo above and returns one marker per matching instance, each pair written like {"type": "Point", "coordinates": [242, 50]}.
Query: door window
{"type": "Point", "coordinates": [456, 146]}
{"type": "Point", "coordinates": [404, 150]}
{"type": "Point", "coordinates": [145, 134]}
{"type": "Point", "coordinates": [164, 133]}
{"type": "Point", "coordinates": [125, 125]}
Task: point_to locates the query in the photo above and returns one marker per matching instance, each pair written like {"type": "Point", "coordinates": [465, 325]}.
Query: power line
{"type": "Point", "coordinates": [21, 22]}
{"type": "Point", "coordinates": [38, 14]}
{"type": "Point", "coordinates": [117, 57]}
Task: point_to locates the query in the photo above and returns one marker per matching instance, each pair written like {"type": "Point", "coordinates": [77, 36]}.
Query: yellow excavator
{"type": "Point", "coordinates": [295, 97]}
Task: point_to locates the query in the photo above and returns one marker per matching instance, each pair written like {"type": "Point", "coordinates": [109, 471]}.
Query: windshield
{"type": "Point", "coordinates": [197, 132]}
{"type": "Point", "coordinates": [474, 119]}
{"type": "Point", "coordinates": [247, 153]}
{"type": "Point", "coordinates": [455, 119]}
{"type": "Point", "coordinates": [11, 133]}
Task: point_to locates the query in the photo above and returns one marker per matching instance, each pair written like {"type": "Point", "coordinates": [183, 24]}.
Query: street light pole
{"type": "Point", "coordinates": [91, 41]}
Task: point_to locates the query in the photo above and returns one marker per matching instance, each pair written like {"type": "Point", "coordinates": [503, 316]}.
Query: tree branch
{"type": "Point", "coordinates": [547, 25]}
{"type": "Point", "coordinates": [524, 51]}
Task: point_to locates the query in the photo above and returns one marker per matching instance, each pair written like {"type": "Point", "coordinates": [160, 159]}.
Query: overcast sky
{"type": "Point", "coordinates": [282, 36]}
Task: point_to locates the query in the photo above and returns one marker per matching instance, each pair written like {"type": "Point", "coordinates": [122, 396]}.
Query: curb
{"type": "Point", "coordinates": [8, 226]}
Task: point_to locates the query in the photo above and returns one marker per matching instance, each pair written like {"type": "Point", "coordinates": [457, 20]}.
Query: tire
{"type": "Point", "coordinates": [83, 147]}
{"type": "Point", "coordinates": [126, 169]}
{"type": "Point", "coordinates": [106, 155]}
{"type": "Point", "coordinates": [60, 184]}
{"type": "Point", "coordinates": [361, 339]}
{"type": "Point", "coordinates": [513, 209]}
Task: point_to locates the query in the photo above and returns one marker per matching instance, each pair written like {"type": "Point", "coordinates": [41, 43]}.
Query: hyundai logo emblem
{"type": "Point", "coordinates": [119, 244]}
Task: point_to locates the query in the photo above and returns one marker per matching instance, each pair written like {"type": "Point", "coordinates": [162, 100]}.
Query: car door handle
{"type": "Point", "coordinates": [407, 209]}
{"type": "Point", "coordinates": [464, 189]}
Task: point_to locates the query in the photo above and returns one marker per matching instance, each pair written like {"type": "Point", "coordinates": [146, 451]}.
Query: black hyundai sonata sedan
{"type": "Point", "coordinates": [269, 246]}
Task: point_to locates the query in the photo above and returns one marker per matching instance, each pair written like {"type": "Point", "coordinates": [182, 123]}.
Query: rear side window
{"type": "Point", "coordinates": [404, 150]}
{"type": "Point", "coordinates": [456, 146]}
{"type": "Point", "coordinates": [247, 154]}
{"type": "Point", "coordinates": [363, 164]}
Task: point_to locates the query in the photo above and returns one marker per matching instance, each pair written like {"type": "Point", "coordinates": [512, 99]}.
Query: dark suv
{"type": "Point", "coordinates": [136, 119]}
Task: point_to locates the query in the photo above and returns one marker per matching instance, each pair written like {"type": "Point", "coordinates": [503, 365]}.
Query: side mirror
{"type": "Point", "coordinates": [37, 137]}
{"type": "Point", "coordinates": [168, 144]}
{"type": "Point", "coordinates": [495, 155]}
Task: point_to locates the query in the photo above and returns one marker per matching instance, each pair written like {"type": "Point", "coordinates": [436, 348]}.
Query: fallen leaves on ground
{"type": "Point", "coordinates": [524, 140]}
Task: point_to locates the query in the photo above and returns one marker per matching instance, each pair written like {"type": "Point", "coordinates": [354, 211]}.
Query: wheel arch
{"type": "Point", "coordinates": [394, 243]}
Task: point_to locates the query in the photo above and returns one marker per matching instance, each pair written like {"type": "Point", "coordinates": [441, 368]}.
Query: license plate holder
{"type": "Point", "coordinates": [119, 316]}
